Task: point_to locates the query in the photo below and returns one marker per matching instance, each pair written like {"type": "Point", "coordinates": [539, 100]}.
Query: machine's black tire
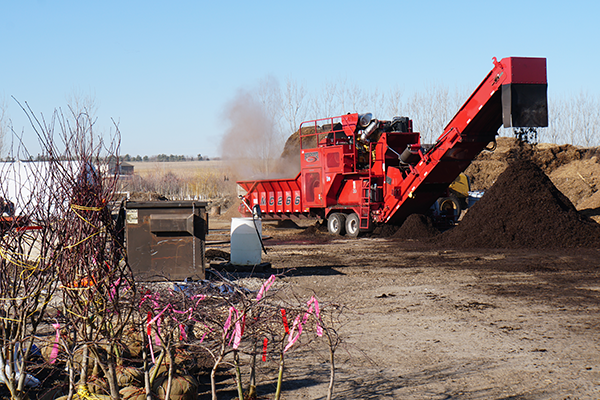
{"type": "Point", "coordinates": [352, 225]}
{"type": "Point", "coordinates": [450, 206]}
{"type": "Point", "coordinates": [336, 223]}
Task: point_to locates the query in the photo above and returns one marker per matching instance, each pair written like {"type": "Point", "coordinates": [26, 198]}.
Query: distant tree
{"type": "Point", "coordinates": [3, 123]}
{"type": "Point", "coordinates": [574, 119]}
{"type": "Point", "coordinates": [394, 102]}
{"type": "Point", "coordinates": [145, 158]}
{"type": "Point", "coordinates": [268, 94]}
{"type": "Point", "coordinates": [324, 103]}
{"type": "Point", "coordinates": [294, 104]}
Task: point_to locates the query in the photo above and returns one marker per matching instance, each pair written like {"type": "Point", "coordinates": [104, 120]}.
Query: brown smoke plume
{"type": "Point", "coordinates": [252, 144]}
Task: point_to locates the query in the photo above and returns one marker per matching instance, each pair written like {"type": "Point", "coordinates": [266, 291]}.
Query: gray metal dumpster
{"type": "Point", "coordinates": [165, 239]}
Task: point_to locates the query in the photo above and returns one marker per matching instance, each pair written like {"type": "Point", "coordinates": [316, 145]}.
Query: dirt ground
{"type": "Point", "coordinates": [422, 322]}
{"type": "Point", "coordinates": [504, 306]}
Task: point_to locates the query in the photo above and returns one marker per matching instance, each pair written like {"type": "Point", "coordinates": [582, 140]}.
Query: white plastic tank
{"type": "Point", "coordinates": [245, 242]}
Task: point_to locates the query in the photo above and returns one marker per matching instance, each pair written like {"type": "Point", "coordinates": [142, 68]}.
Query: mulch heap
{"type": "Point", "coordinates": [415, 227]}
{"type": "Point", "coordinates": [317, 228]}
{"type": "Point", "coordinates": [523, 209]}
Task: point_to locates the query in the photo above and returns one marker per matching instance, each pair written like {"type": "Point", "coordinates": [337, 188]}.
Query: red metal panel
{"type": "Point", "coordinates": [289, 201]}
{"type": "Point", "coordinates": [525, 70]}
{"type": "Point", "coordinates": [333, 159]}
{"type": "Point", "coordinates": [350, 194]}
{"type": "Point", "coordinates": [349, 122]}
{"type": "Point", "coordinates": [297, 201]}
{"type": "Point", "coordinates": [312, 188]}
{"type": "Point", "coordinates": [263, 201]}
{"type": "Point", "coordinates": [255, 199]}
{"type": "Point", "coordinates": [279, 198]}
{"type": "Point", "coordinates": [286, 202]}
{"type": "Point", "coordinates": [271, 204]}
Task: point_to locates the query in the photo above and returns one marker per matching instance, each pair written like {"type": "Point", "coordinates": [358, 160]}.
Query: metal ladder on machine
{"type": "Point", "coordinates": [366, 196]}
{"type": "Point", "coordinates": [365, 203]}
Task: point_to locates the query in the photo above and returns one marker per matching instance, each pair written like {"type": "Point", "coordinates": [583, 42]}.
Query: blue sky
{"type": "Point", "coordinates": [165, 71]}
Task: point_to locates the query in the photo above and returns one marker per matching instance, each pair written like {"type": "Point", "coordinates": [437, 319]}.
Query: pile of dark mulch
{"type": "Point", "coordinates": [383, 231]}
{"type": "Point", "coordinates": [216, 254]}
{"type": "Point", "coordinates": [416, 226]}
{"type": "Point", "coordinates": [287, 224]}
{"type": "Point", "coordinates": [523, 209]}
{"type": "Point", "coordinates": [318, 227]}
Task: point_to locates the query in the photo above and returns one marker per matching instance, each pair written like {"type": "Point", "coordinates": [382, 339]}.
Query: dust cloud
{"type": "Point", "coordinates": [252, 144]}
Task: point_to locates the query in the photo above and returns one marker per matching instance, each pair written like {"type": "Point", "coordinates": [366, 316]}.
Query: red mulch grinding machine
{"type": "Point", "coordinates": [357, 170]}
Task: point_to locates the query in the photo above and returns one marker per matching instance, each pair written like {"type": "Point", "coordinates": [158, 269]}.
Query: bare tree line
{"type": "Point", "coordinates": [263, 117]}
{"type": "Point", "coordinates": [574, 118]}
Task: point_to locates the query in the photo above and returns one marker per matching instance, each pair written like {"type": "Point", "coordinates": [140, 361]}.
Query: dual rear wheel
{"type": "Point", "coordinates": [339, 223]}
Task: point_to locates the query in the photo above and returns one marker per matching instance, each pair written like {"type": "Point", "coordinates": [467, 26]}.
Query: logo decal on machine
{"type": "Point", "coordinates": [311, 157]}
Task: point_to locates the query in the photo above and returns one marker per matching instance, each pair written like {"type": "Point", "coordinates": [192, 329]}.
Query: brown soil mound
{"type": "Point", "coordinates": [575, 171]}
{"type": "Point", "coordinates": [579, 180]}
{"type": "Point", "coordinates": [523, 209]}
{"type": "Point", "coordinates": [416, 226]}
{"type": "Point", "coordinates": [289, 162]}
{"type": "Point", "coordinates": [383, 230]}
{"type": "Point", "coordinates": [287, 224]}
{"type": "Point", "coordinates": [291, 149]}
{"type": "Point", "coordinates": [550, 157]}
{"type": "Point", "coordinates": [487, 166]}
{"type": "Point", "coordinates": [231, 212]}
{"type": "Point", "coordinates": [291, 153]}
{"type": "Point", "coordinates": [318, 227]}
{"type": "Point", "coordinates": [216, 254]}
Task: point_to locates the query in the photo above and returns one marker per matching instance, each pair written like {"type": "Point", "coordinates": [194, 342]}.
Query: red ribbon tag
{"type": "Point", "coordinates": [148, 327]}
{"type": "Point", "coordinates": [285, 323]}
{"type": "Point", "coordinates": [264, 352]}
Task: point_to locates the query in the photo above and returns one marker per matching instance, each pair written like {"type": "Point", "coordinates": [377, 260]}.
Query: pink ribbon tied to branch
{"type": "Point", "coordinates": [237, 330]}
{"type": "Point", "coordinates": [148, 327]}
{"type": "Point", "coordinates": [265, 286]}
{"type": "Point", "coordinates": [114, 286]}
{"type": "Point", "coordinates": [313, 306]}
{"type": "Point", "coordinates": [313, 302]}
{"type": "Point", "coordinates": [54, 352]}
